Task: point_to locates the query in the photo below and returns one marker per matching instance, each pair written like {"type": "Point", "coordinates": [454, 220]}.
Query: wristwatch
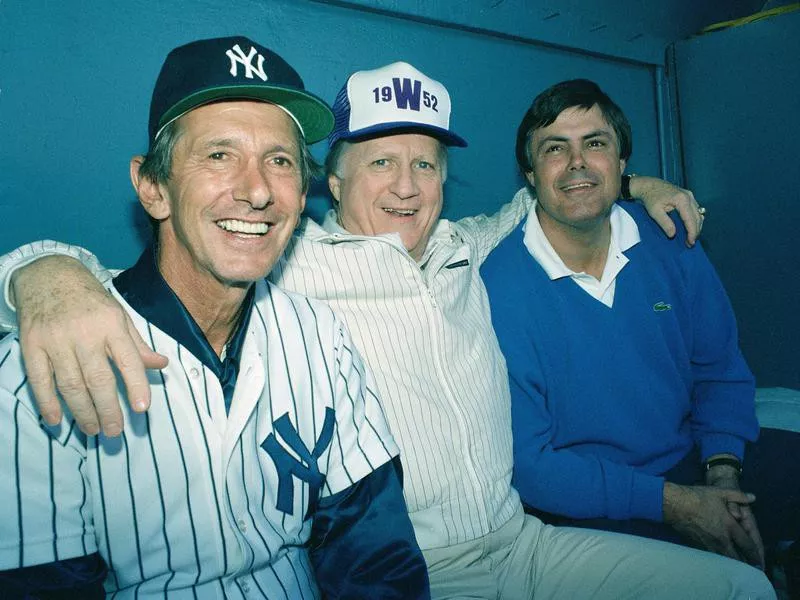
{"type": "Point", "coordinates": [625, 186]}
{"type": "Point", "coordinates": [725, 461]}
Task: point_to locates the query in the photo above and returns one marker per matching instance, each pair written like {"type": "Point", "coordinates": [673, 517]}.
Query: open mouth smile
{"type": "Point", "coordinates": [401, 212]}
{"type": "Point", "coordinates": [577, 186]}
{"type": "Point", "coordinates": [243, 227]}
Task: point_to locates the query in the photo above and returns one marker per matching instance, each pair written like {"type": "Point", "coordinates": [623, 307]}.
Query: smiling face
{"type": "Point", "coordinates": [576, 169]}
{"type": "Point", "coordinates": [391, 184]}
{"type": "Point", "coordinates": [233, 197]}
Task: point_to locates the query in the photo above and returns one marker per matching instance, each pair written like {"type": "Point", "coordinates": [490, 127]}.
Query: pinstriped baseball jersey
{"type": "Point", "coordinates": [190, 500]}
{"type": "Point", "coordinates": [425, 331]}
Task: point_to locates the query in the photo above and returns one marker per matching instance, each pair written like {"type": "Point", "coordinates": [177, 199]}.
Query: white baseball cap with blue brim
{"type": "Point", "coordinates": [397, 97]}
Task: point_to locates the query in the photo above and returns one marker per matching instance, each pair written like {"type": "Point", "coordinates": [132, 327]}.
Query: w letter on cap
{"type": "Point", "coordinates": [406, 93]}
{"type": "Point", "coordinates": [237, 56]}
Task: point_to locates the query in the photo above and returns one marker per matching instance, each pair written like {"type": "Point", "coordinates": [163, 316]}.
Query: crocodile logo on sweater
{"type": "Point", "coordinates": [661, 306]}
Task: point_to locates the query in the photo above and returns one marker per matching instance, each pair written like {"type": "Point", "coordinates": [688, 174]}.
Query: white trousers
{"type": "Point", "coordinates": [527, 559]}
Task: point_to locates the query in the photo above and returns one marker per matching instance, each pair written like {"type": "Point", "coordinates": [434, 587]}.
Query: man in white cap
{"type": "Point", "coordinates": [407, 284]}
{"type": "Point", "coordinates": [266, 467]}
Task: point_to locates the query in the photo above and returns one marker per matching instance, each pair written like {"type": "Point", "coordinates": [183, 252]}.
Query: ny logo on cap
{"type": "Point", "coordinates": [238, 57]}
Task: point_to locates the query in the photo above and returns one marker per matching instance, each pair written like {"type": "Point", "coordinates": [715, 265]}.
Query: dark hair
{"type": "Point", "coordinates": [568, 94]}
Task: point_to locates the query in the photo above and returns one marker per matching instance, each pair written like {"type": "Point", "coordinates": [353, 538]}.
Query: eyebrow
{"type": "Point", "coordinates": [231, 143]}
{"type": "Point", "coordinates": [560, 138]}
{"type": "Point", "coordinates": [216, 142]}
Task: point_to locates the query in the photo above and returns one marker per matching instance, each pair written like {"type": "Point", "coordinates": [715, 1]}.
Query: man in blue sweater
{"type": "Point", "coordinates": [632, 405]}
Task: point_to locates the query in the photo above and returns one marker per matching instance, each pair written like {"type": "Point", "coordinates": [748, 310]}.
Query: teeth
{"type": "Point", "coordinates": [397, 211]}
{"type": "Point", "coordinates": [577, 186]}
{"type": "Point", "coordinates": [237, 226]}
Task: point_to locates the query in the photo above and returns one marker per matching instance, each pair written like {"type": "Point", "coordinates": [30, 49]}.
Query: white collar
{"type": "Point", "coordinates": [443, 231]}
{"type": "Point", "coordinates": [624, 235]}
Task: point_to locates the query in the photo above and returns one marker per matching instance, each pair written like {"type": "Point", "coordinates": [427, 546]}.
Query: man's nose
{"type": "Point", "coordinates": [576, 159]}
{"type": "Point", "coordinates": [404, 184]}
{"type": "Point", "coordinates": [253, 185]}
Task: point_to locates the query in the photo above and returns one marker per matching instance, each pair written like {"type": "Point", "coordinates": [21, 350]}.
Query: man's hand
{"type": "Point", "coordinates": [70, 327]}
{"type": "Point", "coordinates": [660, 198]}
{"type": "Point", "coordinates": [727, 478]}
{"type": "Point", "coordinates": [700, 513]}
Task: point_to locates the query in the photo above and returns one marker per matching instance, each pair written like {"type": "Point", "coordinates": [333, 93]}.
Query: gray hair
{"type": "Point", "coordinates": [334, 159]}
{"type": "Point", "coordinates": [157, 163]}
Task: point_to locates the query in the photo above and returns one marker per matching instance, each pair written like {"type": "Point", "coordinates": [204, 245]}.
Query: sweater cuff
{"type": "Point", "coordinates": [721, 443]}
{"type": "Point", "coordinates": [647, 498]}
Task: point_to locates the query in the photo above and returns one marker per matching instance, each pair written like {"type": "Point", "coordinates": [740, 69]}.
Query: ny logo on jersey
{"type": "Point", "coordinates": [288, 466]}
{"type": "Point", "coordinates": [238, 57]}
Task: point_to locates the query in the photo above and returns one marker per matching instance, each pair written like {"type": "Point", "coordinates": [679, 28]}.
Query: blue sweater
{"type": "Point", "coordinates": [606, 400]}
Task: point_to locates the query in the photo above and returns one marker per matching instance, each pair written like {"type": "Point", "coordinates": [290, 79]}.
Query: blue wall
{"type": "Point", "coordinates": [740, 120]}
{"type": "Point", "coordinates": [75, 84]}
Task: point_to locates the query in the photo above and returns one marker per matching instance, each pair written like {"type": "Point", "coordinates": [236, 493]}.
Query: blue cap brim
{"type": "Point", "coordinates": [448, 138]}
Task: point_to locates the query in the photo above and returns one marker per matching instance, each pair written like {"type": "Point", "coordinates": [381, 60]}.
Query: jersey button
{"type": "Point", "coordinates": [194, 373]}
{"type": "Point", "coordinates": [242, 525]}
{"type": "Point", "coordinates": [245, 587]}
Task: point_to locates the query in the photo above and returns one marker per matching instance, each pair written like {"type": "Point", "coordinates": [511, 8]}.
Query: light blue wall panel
{"type": "Point", "coordinates": [740, 120]}
{"type": "Point", "coordinates": [75, 84]}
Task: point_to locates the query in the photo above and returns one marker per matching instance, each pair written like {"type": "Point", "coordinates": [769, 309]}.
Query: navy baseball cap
{"type": "Point", "coordinates": [233, 68]}
{"type": "Point", "coordinates": [394, 97]}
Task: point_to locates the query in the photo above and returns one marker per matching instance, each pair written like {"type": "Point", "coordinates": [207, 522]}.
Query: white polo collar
{"type": "Point", "coordinates": [624, 235]}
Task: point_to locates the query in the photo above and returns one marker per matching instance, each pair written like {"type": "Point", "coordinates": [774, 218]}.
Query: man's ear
{"type": "Point", "coordinates": [622, 164]}
{"type": "Point", "coordinates": [149, 192]}
{"type": "Point", "coordinates": [335, 186]}
{"type": "Point", "coordinates": [531, 184]}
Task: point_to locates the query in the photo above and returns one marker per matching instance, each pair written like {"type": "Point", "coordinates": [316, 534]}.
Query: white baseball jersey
{"type": "Point", "coordinates": [425, 331]}
{"type": "Point", "coordinates": [190, 501]}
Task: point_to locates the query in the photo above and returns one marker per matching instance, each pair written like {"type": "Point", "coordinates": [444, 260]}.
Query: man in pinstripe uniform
{"type": "Point", "coordinates": [408, 285]}
{"type": "Point", "coordinates": [267, 469]}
